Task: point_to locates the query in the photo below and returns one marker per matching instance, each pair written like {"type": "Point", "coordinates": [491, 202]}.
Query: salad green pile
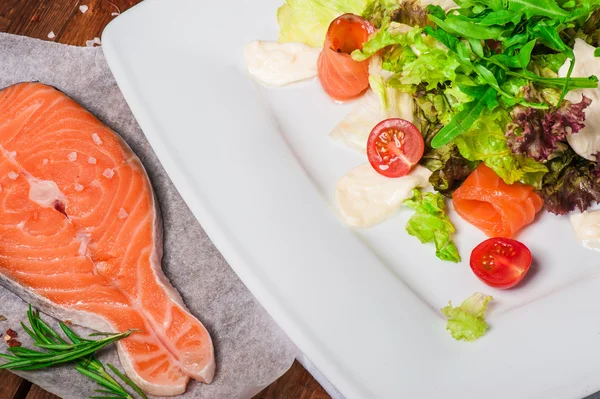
{"type": "Point", "coordinates": [483, 76]}
{"type": "Point", "coordinates": [484, 79]}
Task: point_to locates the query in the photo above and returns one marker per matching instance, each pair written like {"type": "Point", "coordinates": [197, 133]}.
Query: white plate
{"type": "Point", "coordinates": [258, 171]}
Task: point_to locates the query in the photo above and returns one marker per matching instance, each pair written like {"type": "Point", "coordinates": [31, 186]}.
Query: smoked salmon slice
{"type": "Point", "coordinates": [342, 77]}
{"type": "Point", "coordinates": [80, 237]}
{"type": "Point", "coordinates": [496, 208]}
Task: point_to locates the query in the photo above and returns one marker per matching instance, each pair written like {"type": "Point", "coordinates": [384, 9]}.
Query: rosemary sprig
{"type": "Point", "coordinates": [79, 351]}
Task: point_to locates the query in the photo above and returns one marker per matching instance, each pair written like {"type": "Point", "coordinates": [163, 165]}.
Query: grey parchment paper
{"type": "Point", "coordinates": [251, 350]}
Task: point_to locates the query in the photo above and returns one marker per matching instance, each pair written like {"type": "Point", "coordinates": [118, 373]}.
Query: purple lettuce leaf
{"type": "Point", "coordinates": [572, 182]}
{"type": "Point", "coordinates": [537, 132]}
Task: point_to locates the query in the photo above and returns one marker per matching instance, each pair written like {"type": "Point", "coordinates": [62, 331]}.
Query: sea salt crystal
{"type": "Point", "coordinates": [83, 9]}
{"type": "Point", "coordinates": [108, 173]}
{"type": "Point", "coordinates": [78, 187]}
{"type": "Point", "coordinates": [92, 43]}
{"type": "Point", "coordinates": [51, 35]}
{"type": "Point", "coordinates": [13, 175]}
{"type": "Point", "coordinates": [92, 160]}
{"type": "Point", "coordinates": [72, 156]}
{"type": "Point", "coordinates": [122, 213]}
{"type": "Point", "coordinates": [96, 138]}
{"type": "Point", "coordinates": [45, 161]}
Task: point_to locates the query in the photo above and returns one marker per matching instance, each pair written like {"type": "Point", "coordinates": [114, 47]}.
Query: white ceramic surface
{"type": "Point", "coordinates": [258, 171]}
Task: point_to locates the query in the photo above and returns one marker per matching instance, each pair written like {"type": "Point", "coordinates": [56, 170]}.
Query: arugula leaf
{"type": "Point", "coordinates": [431, 223]}
{"type": "Point", "coordinates": [443, 37]}
{"type": "Point", "coordinates": [489, 78]}
{"type": "Point", "coordinates": [463, 53]}
{"type": "Point", "coordinates": [572, 83]}
{"type": "Point", "coordinates": [501, 17]}
{"type": "Point", "coordinates": [597, 52]}
{"type": "Point", "coordinates": [525, 53]}
{"type": "Point", "coordinates": [565, 89]}
{"type": "Point", "coordinates": [516, 39]}
{"type": "Point", "coordinates": [509, 61]}
{"type": "Point", "coordinates": [467, 29]}
{"type": "Point", "coordinates": [462, 121]}
{"type": "Point", "coordinates": [477, 47]}
{"type": "Point", "coordinates": [532, 8]}
{"type": "Point", "coordinates": [548, 34]}
{"type": "Point", "coordinates": [436, 11]}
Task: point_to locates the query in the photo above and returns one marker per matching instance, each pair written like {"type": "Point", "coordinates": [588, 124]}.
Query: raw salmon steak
{"type": "Point", "coordinates": [496, 208]}
{"type": "Point", "coordinates": [80, 237]}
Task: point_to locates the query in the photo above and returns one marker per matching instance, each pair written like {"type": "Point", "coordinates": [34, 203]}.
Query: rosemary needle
{"type": "Point", "coordinates": [79, 351]}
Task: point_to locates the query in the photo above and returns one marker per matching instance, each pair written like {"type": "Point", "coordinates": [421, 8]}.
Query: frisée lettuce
{"type": "Point", "coordinates": [431, 223]}
{"type": "Point", "coordinates": [466, 322]}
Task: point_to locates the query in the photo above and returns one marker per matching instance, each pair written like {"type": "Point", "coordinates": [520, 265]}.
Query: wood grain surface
{"type": "Point", "coordinates": [62, 21]}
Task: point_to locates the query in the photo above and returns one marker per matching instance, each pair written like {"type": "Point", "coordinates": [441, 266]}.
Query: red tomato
{"type": "Point", "coordinates": [500, 262]}
{"type": "Point", "coordinates": [394, 147]}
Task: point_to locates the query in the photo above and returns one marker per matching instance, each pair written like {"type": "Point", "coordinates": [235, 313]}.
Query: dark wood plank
{"type": "Point", "coordinates": [7, 10]}
{"type": "Point", "coordinates": [12, 386]}
{"type": "Point", "coordinates": [297, 383]}
{"type": "Point", "coordinates": [38, 393]}
{"type": "Point", "coordinates": [85, 26]}
{"type": "Point", "coordinates": [37, 18]}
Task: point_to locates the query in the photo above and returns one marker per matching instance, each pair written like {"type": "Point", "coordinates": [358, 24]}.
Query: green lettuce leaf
{"type": "Point", "coordinates": [306, 21]}
{"type": "Point", "coordinates": [385, 37]}
{"type": "Point", "coordinates": [485, 141]}
{"type": "Point", "coordinates": [449, 168]}
{"type": "Point", "coordinates": [377, 11]}
{"type": "Point", "coordinates": [431, 223]}
{"type": "Point", "coordinates": [431, 68]}
{"type": "Point", "coordinates": [414, 58]}
{"type": "Point", "coordinates": [407, 12]}
{"type": "Point", "coordinates": [466, 321]}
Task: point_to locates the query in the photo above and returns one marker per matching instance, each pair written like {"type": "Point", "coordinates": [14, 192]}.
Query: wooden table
{"type": "Point", "coordinates": [62, 21]}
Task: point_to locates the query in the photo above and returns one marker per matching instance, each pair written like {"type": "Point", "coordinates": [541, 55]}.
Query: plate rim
{"type": "Point", "coordinates": [216, 232]}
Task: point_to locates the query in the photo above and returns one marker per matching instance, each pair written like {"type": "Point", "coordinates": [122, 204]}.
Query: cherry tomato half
{"type": "Point", "coordinates": [500, 262]}
{"type": "Point", "coordinates": [394, 147]}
